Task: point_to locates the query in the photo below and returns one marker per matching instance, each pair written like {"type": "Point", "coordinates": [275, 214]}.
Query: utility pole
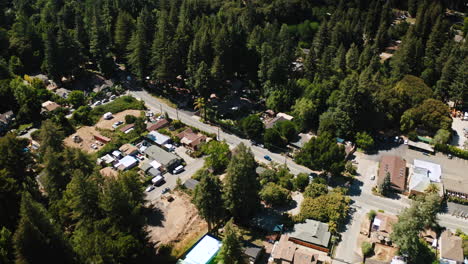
{"type": "Point", "coordinates": [177, 113]}
{"type": "Point", "coordinates": [219, 137]}
{"type": "Point", "coordinates": [160, 108]}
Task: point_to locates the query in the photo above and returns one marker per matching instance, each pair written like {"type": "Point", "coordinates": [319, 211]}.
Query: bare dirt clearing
{"type": "Point", "coordinates": [107, 124]}
{"type": "Point", "coordinates": [86, 134]}
{"type": "Point", "coordinates": [176, 223]}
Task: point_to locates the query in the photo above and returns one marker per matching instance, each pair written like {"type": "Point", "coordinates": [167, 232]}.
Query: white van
{"type": "Point", "coordinates": [179, 169]}
{"type": "Point", "coordinates": [157, 180]}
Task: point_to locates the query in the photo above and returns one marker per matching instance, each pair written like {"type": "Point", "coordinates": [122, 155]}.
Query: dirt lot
{"type": "Point", "coordinates": [87, 134]}
{"type": "Point", "coordinates": [384, 253]}
{"type": "Point", "coordinates": [107, 124]}
{"type": "Point", "coordinates": [176, 223]}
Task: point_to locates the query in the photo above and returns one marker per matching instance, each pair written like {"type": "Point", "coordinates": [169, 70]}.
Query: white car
{"type": "Point", "coordinates": [179, 169]}
{"type": "Point", "coordinates": [372, 177]}
{"type": "Point", "coordinates": [150, 188]}
{"type": "Point", "coordinates": [97, 103]}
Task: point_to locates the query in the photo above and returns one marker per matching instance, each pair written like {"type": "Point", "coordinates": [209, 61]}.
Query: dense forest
{"type": "Point", "coordinates": [317, 60]}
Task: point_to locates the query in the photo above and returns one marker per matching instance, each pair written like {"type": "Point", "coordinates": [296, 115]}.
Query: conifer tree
{"type": "Point", "coordinates": [231, 249]}
{"type": "Point", "coordinates": [208, 199]}
{"type": "Point", "coordinates": [137, 48]}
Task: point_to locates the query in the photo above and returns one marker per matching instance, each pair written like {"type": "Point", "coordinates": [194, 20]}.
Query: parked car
{"type": "Point", "coordinates": [116, 124]}
{"type": "Point", "coordinates": [112, 97]}
{"type": "Point", "coordinates": [267, 157]}
{"type": "Point", "coordinates": [157, 180]}
{"type": "Point", "coordinates": [406, 142]}
{"type": "Point", "coordinates": [372, 177]}
{"type": "Point", "coordinates": [150, 188]}
{"type": "Point", "coordinates": [165, 190]}
{"type": "Point", "coordinates": [450, 156]}
{"type": "Point", "coordinates": [97, 103]}
{"type": "Point", "coordinates": [178, 169]}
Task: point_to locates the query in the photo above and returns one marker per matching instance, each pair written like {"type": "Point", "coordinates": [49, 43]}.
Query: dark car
{"type": "Point", "coordinates": [165, 190]}
{"type": "Point", "coordinates": [267, 157]}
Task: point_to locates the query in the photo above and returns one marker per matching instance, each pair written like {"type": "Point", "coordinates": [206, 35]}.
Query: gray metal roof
{"type": "Point", "coordinates": [312, 231]}
{"type": "Point", "coordinates": [160, 155]}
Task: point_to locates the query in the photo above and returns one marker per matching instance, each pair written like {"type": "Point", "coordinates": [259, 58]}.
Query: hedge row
{"type": "Point", "coordinates": [455, 151]}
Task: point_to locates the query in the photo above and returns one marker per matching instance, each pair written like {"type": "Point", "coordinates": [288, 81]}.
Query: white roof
{"type": "Point", "coordinates": [108, 159]}
{"type": "Point", "coordinates": [159, 138]}
{"type": "Point", "coordinates": [434, 170]}
{"type": "Point", "coordinates": [204, 251]}
{"type": "Point", "coordinates": [127, 161]}
{"type": "Point", "coordinates": [116, 153]}
{"type": "Point", "coordinates": [155, 164]}
{"type": "Point", "coordinates": [376, 222]}
{"type": "Point", "coordinates": [285, 116]}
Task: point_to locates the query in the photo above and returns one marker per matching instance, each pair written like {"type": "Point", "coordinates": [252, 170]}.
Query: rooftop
{"type": "Point", "coordinates": [434, 171]}
{"type": "Point", "coordinates": [126, 162]}
{"type": "Point", "coordinates": [384, 222]}
{"type": "Point", "coordinates": [191, 184]}
{"type": "Point", "coordinates": [312, 231]}
{"type": "Point", "coordinates": [159, 124]}
{"type": "Point", "coordinates": [50, 106]}
{"type": "Point", "coordinates": [396, 167]}
{"type": "Point", "coordinates": [451, 246]}
{"type": "Point", "coordinates": [158, 138]}
{"type": "Point", "coordinates": [128, 149]}
{"type": "Point", "coordinates": [163, 157]}
{"type": "Point", "coordinates": [204, 251]}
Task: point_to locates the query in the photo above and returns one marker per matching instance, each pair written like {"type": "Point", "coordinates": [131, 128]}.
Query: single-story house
{"type": "Point", "coordinates": [285, 116]}
{"type": "Point", "coordinates": [62, 92]}
{"type": "Point", "coordinates": [158, 138]}
{"type": "Point", "coordinates": [117, 154]}
{"type": "Point", "coordinates": [126, 163]}
{"type": "Point", "coordinates": [167, 160]}
{"type": "Point", "coordinates": [420, 146]}
{"type": "Point", "coordinates": [430, 236]}
{"type": "Point", "coordinates": [191, 184]}
{"type": "Point", "coordinates": [109, 172]}
{"type": "Point", "coordinates": [382, 227]}
{"type": "Point", "coordinates": [107, 159]}
{"type": "Point", "coordinates": [451, 248]}
{"type": "Point", "coordinates": [285, 251]}
{"type": "Point", "coordinates": [159, 124]}
{"type": "Point", "coordinates": [49, 106]}
{"type": "Point", "coordinates": [270, 123]}
{"type": "Point", "coordinates": [190, 139]}
{"type": "Point", "coordinates": [149, 169]}
{"type": "Point", "coordinates": [396, 168]}
{"type": "Point", "coordinates": [203, 252]}
{"type": "Point", "coordinates": [252, 252]}
{"type": "Point", "coordinates": [126, 129]}
{"type": "Point", "coordinates": [312, 234]}
{"type": "Point", "coordinates": [102, 139]}
{"type": "Point", "coordinates": [128, 149]}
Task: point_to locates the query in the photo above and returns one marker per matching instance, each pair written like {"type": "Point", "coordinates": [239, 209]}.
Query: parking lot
{"type": "Point", "coordinates": [107, 124]}
{"type": "Point", "coordinates": [171, 180]}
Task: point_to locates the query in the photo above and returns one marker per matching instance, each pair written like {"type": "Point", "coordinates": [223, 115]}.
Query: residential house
{"type": "Point", "coordinates": [285, 116]}
{"type": "Point", "coordinates": [158, 125]}
{"type": "Point", "coordinates": [49, 106]}
{"type": "Point", "coordinates": [149, 168]}
{"type": "Point", "coordinates": [451, 248]}
{"type": "Point", "coordinates": [396, 168]}
{"type": "Point", "coordinates": [158, 138]}
{"type": "Point", "coordinates": [62, 92]}
{"type": "Point", "coordinates": [191, 184]}
{"type": "Point", "coordinates": [285, 251]}
{"type": "Point", "coordinates": [422, 174]}
{"type": "Point", "coordinates": [190, 139]}
{"type": "Point", "coordinates": [106, 159]}
{"type": "Point", "coordinates": [382, 227]}
{"type": "Point", "coordinates": [271, 123]}
{"type": "Point", "coordinates": [252, 253]}
{"type": "Point", "coordinates": [126, 163]}
{"type": "Point", "coordinates": [126, 129]}
{"type": "Point", "coordinates": [128, 149]}
{"type": "Point", "coordinates": [430, 236]}
{"type": "Point", "coordinates": [167, 160]}
{"type": "Point", "coordinates": [5, 120]}
{"type": "Point", "coordinates": [312, 234]}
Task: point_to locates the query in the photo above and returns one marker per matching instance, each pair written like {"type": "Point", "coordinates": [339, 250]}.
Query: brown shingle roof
{"type": "Point", "coordinates": [160, 124]}
{"type": "Point", "coordinates": [396, 166]}
{"type": "Point", "coordinates": [451, 246]}
{"type": "Point", "coordinates": [127, 127]}
{"type": "Point", "coordinates": [50, 106]}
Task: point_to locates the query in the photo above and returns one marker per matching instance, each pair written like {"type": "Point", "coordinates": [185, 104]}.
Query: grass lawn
{"type": "Point", "coordinates": [118, 105]}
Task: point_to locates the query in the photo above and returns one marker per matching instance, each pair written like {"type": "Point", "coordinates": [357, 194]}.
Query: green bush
{"type": "Point", "coordinates": [455, 151]}
{"type": "Point", "coordinates": [457, 200]}
{"type": "Point", "coordinates": [367, 249]}
{"type": "Point", "coordinates": [371, 214]}
{"type": "Point", "coordinates": [130, 119]}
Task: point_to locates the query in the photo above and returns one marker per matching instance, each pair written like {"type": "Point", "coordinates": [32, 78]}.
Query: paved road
{"type": "Point", "coordinates": [156, 105]}
{"type": "Point", "coordinates": [363, 199]}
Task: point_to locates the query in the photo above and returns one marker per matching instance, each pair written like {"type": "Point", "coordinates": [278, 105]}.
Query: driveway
{"type": "Point", "coordinates": [458, 139]}
{"type": "Point", "coordinates": [171, 179]}
{"type": "Point", "coordinates": [346, 250]}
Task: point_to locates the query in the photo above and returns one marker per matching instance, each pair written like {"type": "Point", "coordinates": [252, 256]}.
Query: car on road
{"type": "Point", "coordinates": [406, 142]}
{"type": "Point", "coordinates": [372, 177]}
{"type": "Point", "coordinates": [97, 103]}
{"type": "Point", "coordinates": [150, 188]}
{"type": "Point", "coordinates": [450, 156]}
{"type": "Point", "coordinates": [165, 190]}
{"type": "Point", "coordinates": [267, 157]}
{"type": "Point", "coordinates": [112, 97]}
{"type": "Point", "coordinates": [425, 153]}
